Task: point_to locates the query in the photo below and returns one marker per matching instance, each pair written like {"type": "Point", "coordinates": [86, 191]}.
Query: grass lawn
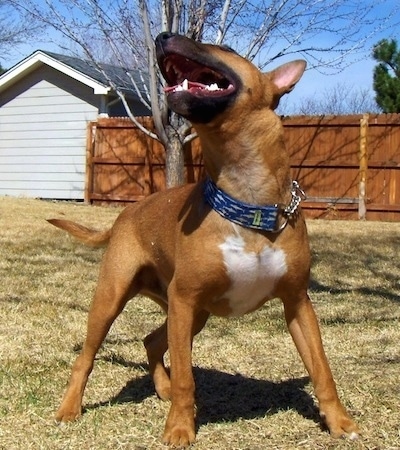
{"type": "Point", "coordinates": [252, 389]}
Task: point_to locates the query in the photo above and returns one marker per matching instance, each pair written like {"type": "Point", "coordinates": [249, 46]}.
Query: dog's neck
{"type": "Point", "coordinates": [248, 161]}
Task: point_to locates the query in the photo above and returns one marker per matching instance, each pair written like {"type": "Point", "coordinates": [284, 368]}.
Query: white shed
{"type": "Point", "coordinates": [46, 102]}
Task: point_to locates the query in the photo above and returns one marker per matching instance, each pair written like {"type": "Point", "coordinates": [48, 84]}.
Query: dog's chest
{"type": "Point", "coordinates": [253, 274]}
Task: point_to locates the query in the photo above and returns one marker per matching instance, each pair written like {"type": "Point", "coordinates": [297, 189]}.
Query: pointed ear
{"type": "Point", "coordinates": [286, 76]}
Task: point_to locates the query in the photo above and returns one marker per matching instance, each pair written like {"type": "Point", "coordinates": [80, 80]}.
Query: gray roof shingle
{"type": "Point", "coordinates": [118, 75]}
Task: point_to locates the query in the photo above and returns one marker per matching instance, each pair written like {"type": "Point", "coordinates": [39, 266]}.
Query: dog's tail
{"type": "Point", "coordinates": [87, 236]}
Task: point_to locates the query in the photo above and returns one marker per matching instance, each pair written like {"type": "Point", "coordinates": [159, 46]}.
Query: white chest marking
{"type": "Point", "coordinates": [253, 275]}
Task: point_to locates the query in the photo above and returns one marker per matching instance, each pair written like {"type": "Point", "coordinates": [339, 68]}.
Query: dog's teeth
{"type": "Point", "coordinates": [184, 86]}
{"type": "Point", "coordinates": [213, 87]}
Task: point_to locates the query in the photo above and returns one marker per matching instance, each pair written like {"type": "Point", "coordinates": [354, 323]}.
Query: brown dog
{"type": "Point", "coordinates": [224, 246]}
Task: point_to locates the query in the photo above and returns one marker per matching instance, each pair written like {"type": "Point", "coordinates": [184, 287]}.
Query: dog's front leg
{"type": "Point", "coordinates": [99, 322]}
{"type": "Point", "coordinates": [303, 326]}
{"type": "Point", "coordinates": [114, 289]}
{"type": "Point", "coordinates": [179, 428]}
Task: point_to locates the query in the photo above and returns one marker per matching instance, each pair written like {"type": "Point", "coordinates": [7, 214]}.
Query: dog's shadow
{"type": "Point", "coordinates": [223, 397]}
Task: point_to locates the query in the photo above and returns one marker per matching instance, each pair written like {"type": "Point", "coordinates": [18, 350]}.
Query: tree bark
{"type": "Point", "coordinates": [174, 159]}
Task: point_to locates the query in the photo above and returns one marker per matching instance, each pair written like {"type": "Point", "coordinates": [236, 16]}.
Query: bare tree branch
{"type": "Point", "coordinates": [159, 114]}
{"type": "Point", "coordinates": [330, 34]}
{"type": "Point", "coordinates": [16, 28]}
{"type": "Point", "coordinates": [222, 23]}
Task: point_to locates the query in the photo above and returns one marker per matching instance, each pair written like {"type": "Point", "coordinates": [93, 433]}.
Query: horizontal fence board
{"type": "Point", "coordinates": [324, 154]}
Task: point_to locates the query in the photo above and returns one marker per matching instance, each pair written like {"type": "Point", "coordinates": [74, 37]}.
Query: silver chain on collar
{"type": "Point", "coordinates": [297, 196]}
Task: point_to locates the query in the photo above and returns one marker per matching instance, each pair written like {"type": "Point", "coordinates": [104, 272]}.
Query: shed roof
{"type": "Point", "coordinates": [87, 72]}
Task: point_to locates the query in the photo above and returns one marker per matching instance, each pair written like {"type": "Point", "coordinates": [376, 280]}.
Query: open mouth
{"type": "Point", "coordinates": [183, 74]}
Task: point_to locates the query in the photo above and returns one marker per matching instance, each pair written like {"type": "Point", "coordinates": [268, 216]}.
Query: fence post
{"type": "Point", "coordinates": [90, 133]}
{"type": "Point", "coordinates": [362, 200]}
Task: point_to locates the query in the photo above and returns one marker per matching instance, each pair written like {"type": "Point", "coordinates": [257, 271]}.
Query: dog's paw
{"type": "Point", "coordinates": [179, 437]}
{"type": "Point", "coordinates": [342, 426]}
{"type": "Point", "coordinates": [179, 430]}
{"type": "Point", "coordinates": [348, 431]}
{"type": "Point", "coordinates": [64, 415]}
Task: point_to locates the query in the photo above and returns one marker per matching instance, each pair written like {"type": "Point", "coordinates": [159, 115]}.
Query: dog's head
{"type": "Point", "coordinates": [205, 80]}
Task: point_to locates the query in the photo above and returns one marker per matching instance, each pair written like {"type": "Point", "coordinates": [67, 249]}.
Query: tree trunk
{"type": "Point", "coordinates": [174, 159]}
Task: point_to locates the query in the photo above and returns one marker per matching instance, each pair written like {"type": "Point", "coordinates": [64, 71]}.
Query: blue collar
{"type": "Point", "coordinates": [251, 216]}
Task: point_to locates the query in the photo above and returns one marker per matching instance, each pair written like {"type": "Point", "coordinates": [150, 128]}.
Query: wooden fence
{"type": "Point", "coordinates": [349, 166]}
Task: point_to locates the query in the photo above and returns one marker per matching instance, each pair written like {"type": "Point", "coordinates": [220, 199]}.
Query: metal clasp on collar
{"type": "Point", "coordinates": [298, 195]}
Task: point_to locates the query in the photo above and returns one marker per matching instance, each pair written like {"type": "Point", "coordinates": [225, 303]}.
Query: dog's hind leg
{"type": "Point", "coordinates": [303, 326]}
{"type": "Point", "coordinates": [156, 344]}
{"type": "Point", "coordinates": [115, 287]}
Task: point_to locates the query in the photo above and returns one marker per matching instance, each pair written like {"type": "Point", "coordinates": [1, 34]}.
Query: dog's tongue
{"type": "Point", "coordinates": [192, 86]}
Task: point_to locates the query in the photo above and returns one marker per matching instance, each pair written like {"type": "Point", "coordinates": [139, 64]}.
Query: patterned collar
{"type": "Point", "coordinates": [252, 216]}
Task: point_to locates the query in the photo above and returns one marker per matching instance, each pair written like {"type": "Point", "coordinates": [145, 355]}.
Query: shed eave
{"type": "Point", "coordinates": [38, 58]}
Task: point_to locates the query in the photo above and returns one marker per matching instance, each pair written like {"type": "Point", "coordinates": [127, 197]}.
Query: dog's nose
{"type": "Point", "coordinates": [162, 37]}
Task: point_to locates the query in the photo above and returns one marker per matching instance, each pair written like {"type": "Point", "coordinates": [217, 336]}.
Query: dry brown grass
{"type": "Point", "coordinates": [253, 392]}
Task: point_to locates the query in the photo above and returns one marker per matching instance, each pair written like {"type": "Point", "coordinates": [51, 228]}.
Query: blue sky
{"type": "Point", "coordinates": [358, 74]}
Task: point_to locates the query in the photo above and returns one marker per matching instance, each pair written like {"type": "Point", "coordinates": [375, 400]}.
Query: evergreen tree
{"type": "Point", "coordinates": [387, 75]}
{"type": "Point", "coordinates": [2, 70]}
